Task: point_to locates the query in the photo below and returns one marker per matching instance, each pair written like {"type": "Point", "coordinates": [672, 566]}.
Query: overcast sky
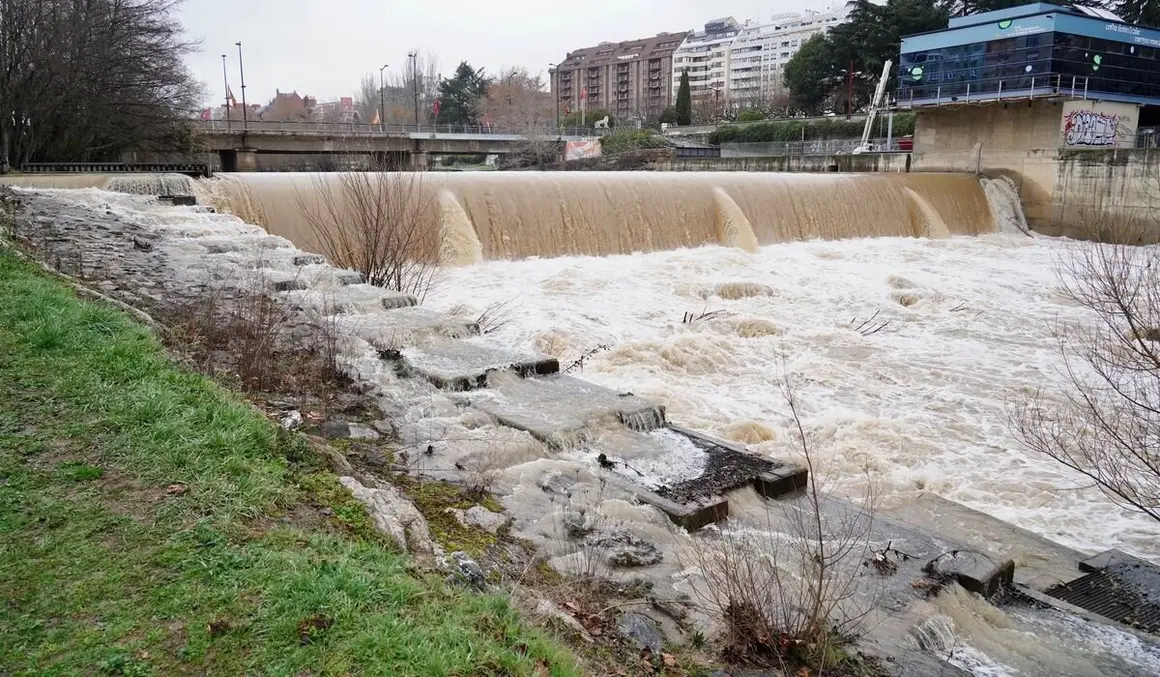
{"type": "Point", "coordinates": [323, 47]}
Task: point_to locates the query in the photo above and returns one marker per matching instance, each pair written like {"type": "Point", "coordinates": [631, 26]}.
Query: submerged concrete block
{"type": "Point", "coordinates": [396, 329]}
{"type": "Point", "coordinates": [977, 572]}
{"type": "Point", "coordinates": [349, 277]}
{"type": "Point", "coordinates": [365, 298]}
{"type": "Point", "coordinates": [309, 259]}
{"type": "Point", "coordinates": [465, 364]}
{"type": "Point", "coordinates": [557, 409]}
{"type": "Point", "coordinates": [781, 481]}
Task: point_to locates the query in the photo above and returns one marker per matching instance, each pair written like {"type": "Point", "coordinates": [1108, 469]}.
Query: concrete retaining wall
{"type": "Point", "coordinates": [870, 162]}
{"type": "Point", "coordinates": [1062, 185]}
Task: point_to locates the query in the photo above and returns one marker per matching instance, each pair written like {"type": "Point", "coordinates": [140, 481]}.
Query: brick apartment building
{"type": "Point", "coordinates": [629, 79]}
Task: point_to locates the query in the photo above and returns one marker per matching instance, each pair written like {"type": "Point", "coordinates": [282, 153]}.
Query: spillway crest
{"type": "Point", "coordinates": [469, 217]}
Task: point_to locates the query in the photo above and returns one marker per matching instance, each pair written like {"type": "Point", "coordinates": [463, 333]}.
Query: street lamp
{"type": "Point", "coordinates": [382, 99]}
{"type": "Point", "coordinates": [414, 57]}
{"type": "Point", "coordinates": [226, 81]}
{"type": "Point", "coordinates": [242, 70]}
{"type": "Point", "coordinates": [554, 71]}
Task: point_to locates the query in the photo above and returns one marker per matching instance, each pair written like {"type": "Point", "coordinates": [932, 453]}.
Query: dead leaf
{"type": "Point", "coordinates": [803, 672]}
{"type": "Point", "coordinates": [542, 668]}
{"type": "Point", "coordinates": [669, 660]}
{"type": "Point", "coordinates": [176, 489]}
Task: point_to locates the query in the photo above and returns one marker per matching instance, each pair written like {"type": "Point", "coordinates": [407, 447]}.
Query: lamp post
{"type": "Point", "coordinates": [242, 71]}
{"type": "Point", "coordinates": [226, 82]}
{"type": "Point", "coordinates": [554, 71]}
{"type": "Point", "coordinates": [414, 57]}
{"type": "Point", "coordinates": [382, 99]}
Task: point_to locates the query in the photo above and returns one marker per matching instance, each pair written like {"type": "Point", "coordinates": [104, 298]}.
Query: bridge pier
{"type": "Point", "coordinates": [239, 160]}
{"type": "Point", "coordinates": [420, 161]}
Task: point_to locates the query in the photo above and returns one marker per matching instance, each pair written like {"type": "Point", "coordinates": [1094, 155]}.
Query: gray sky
{"type": "Point", "coordinates": [323, 47]}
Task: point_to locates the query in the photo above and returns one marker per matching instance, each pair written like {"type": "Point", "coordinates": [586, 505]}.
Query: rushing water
{"type": "Point", "coordinates": [487, 216]}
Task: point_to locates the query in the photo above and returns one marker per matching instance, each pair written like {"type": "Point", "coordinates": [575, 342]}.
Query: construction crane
{"type": "Point", "coordinates": [872, 114]}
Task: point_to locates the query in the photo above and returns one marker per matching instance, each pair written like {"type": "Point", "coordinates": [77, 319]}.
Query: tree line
{"type": "Point", "coordinates": [89, 79]}
{"type": "Point", "coordinates": [817, 75]}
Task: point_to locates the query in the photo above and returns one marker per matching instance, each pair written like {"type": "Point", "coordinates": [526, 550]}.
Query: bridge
{"type": "Point", "coordinates": [239, 143]}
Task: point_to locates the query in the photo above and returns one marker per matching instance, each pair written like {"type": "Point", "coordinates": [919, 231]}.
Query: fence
{"type": "Point", "coordinates": [361, 129]}
{"type": "Point", "coordinates": [817, 147]}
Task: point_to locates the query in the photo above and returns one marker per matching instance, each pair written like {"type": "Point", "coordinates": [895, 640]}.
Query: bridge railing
{"type": "Point", "coordinates": [362, 129]}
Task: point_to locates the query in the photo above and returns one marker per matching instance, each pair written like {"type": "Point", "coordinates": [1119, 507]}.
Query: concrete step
{"type": "Point", "coordinates": [354, 299]}
{"type": "Point", "coordinates": [687, 474]}
{"type": "Point", "coordinates": [465, 364]}
{"type": "Point", "coordinates": [560, 410]}
{"type": "Point", "coordinates": [390, 331]}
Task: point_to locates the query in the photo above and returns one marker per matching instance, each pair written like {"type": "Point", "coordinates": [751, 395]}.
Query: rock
{"type": "Point", "coordinates": [480, 517]}
{"type": "Point", "coordinates": [641, 631]}
{"type": "Point", "coordinates": [577, 525]}
{"type": "Point", "coordinates": [292, 420]}
{"type": "Point", "coordinates": [555, 482]}
{"type": "Point", "coordinates": [465, 570]}
{"type": "Point", "coordinates": [385, 427]}
{"type": "Point", "coordinates": [976, 572]}
{"type": "Point", "coordinates": [335, 428]}
{"type": "Point", "coordinates": [362, 432]}
{"type": "Point", "coordinates": [624, 549]}
{"type": "Point", "coordinates": [548, 610]}
{"type": "Point", "coordinates": [393, 515]}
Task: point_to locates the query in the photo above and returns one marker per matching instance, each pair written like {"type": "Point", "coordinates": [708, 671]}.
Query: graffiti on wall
{"type": "Point", "coordinates": [1089, 128]}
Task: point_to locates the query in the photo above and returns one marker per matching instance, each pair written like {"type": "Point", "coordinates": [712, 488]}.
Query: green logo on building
{"type": "Point", "coordinates": [1005, 24]}
{"type": "Point", "coordinates": [916, 73]}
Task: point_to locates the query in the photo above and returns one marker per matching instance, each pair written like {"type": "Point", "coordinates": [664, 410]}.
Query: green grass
{"type": "Point", "coordinates": [151, 523]}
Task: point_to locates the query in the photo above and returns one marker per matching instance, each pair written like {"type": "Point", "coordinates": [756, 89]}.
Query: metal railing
{"type": "Point", "coordinates": [992, 89]}
{"type": "Point", "coordinates": [1148, 137]}
{"type": "Point", "coordinates": [818, 147]}
{"type": "Point", "coordinates": [362, 129]}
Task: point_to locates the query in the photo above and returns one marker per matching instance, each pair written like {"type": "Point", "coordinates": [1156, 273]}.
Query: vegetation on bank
{"type": "Point", "coordinates": [803, 130]}
{"type": "Point", "coordinates": [151, 523]}
{"type": "Point", "coordinates": [629, 140]}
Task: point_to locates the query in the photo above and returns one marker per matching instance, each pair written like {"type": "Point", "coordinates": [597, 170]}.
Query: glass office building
{"type": "Point", "coordinates": [1031, 51]}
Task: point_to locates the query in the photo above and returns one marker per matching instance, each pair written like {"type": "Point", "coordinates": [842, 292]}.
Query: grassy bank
{"type": "Point", "coordinates": [150, 523]}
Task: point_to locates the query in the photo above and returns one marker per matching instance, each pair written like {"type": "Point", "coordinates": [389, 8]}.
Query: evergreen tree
{"type": "Point", "coordinates": [684, 101]}
{"type": "Point", "coordinates": [460, 94]}
{"type": "Point", "coordinates": [1143, 12]}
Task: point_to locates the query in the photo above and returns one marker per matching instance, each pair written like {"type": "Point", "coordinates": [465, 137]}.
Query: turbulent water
{"type": "Point", "coordinates": [966, 325]}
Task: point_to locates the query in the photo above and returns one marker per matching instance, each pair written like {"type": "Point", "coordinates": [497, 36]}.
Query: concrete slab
{"type": "Point", "coordinates": [366, 298]}
{"type": "Point", "coordinates": [396, 329]}
{"type": "Point", "coordinates": [1040, 563]}
{"type": "Point", "coordinates": [560, 410]}
{"type": "Point", "coordinates": [350, 300]}
{"type": "Point", "coordinates": [465, 364]}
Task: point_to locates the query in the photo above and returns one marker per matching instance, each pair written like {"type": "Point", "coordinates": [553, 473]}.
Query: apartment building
{"type": "Point", "coordinates": [741, 65]}
{"type": "Point", "coordinates": [630, 79]}
{"type": "Point", "coordinates": [759, 53]}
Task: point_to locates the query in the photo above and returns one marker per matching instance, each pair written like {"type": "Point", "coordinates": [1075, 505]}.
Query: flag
{"type": "Point", "coordinates": [583, 93]}
{"type": "Point", "coordinates": [230, 97]}
{"type": "Point", "coordinates": [375, 119]}
{"type": "Point", "coordinates": [437, 103]}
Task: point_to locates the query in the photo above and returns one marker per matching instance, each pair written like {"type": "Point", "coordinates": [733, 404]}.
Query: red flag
{"type": "Point", "coordinates": [583, 93]}
{"type": "Point", "coordinates": [437, 102]}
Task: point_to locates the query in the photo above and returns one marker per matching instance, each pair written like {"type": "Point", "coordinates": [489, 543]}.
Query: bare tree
{"type": "Point", "coordinates": [521, 102]}
{"type": "Point", "coordinates": [86, 80]}
{"type": "Point", "coordinates": [787, 591]}
{"type": "Point", "coordinates": [403, 84]}
{"type": "Point", "coordinates": [383, 224]}
{"type": "Point", "coordinates": [1107, 426]}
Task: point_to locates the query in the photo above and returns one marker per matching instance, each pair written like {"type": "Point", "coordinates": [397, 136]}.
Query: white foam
{"type": "Point", "coordinates": [921, 403]}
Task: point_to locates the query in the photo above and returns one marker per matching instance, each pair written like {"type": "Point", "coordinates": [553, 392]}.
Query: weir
{"type": "Point", "coordinates": [498, 216]}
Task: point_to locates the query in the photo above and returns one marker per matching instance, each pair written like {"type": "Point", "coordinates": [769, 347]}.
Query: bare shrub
{"type": "Point", "coordinates": [787, 591]}
{"type": "Point", "coordinates": [494, 317]}
{"type": "Point", "coordinates": [384, 225]}
{"type": "Point", "coordinates": [1107, 426]}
